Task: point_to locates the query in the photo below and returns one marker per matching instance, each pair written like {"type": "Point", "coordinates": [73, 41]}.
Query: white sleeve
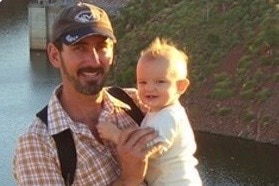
{"type": "Point", "coordinates": [166, 125]}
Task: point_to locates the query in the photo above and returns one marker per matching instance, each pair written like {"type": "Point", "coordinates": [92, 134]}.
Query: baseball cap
{"type": "Point", "coordinates": [80, 21]}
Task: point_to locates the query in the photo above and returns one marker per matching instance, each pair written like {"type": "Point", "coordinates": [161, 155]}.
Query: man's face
{"type": "Point", "coordinates": [85, 65]}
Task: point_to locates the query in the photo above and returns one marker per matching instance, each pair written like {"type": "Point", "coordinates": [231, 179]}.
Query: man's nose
{"type": "Point", "coordinates": [94, 56]}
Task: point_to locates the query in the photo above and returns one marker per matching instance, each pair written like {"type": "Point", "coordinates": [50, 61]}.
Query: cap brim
{"type": "Point", "coordinates": [75, 36]}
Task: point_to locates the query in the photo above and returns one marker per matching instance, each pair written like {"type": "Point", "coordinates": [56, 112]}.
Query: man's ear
{"type": "Point", "coordinates": [53, 55]}
{"type": "Point", "coordinates": [182, 85]}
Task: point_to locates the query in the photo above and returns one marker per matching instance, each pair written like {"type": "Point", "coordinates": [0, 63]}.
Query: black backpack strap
{"type": "Point", "coordinates": [42, 114]}
{"type": "Point", "coordinates": [135, 111]}
{"type": "Point", "coordinates": [65, 148]}
{"type": "Point", "coordinates": [67, 154]}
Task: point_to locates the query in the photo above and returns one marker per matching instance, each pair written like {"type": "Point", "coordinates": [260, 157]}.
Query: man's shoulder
{"type": "Point", "coordinates": [36, 128]}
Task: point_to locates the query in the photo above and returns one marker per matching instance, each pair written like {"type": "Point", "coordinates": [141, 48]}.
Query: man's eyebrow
{"type": "Point", "coordinates": [79, 43]}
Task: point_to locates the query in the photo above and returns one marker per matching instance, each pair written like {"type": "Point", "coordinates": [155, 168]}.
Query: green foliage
{"type": "Point", "coordinates": [245, 62]}
{"type": "Point", "coordinates": [269, 36]}
{"type": "Point", "coordinates": [247, 94]}
{"type": "Point", "coordinates": [267, 119]}
{"type": "Point", "coordinates": [264, 94]}
{"type": "Point", "coordinates": [249, 115]}
{"type": "Point", "coordinates": [137, 13]}
{"type": "Point", "coordinates": [213, 39]}
{"type": "Point", "coordinates": [266, 62]}
{"type": "Point", "coordinates": [224, 111]}
{"type": "Point", "coordinates": [249, 84]}
{"type": "Point", "coordinates": [259, 76]}
{"type": "Point", "coordinates": [276, 77]}
{"type": "Point", "coordinates": [208, 30]}
{"type": "Point", "coordinates": [127, 77]}
{"type": "Point", "coordinates": [221, 77]}
{"type": "Point", "coordinates": [223, 81]}
{"type": "Point", "coordinates": [223, 87]}
{"type": "Point", "coordinates": [221, 93]}
{"type": "Point", "coordinates": [223, 25]}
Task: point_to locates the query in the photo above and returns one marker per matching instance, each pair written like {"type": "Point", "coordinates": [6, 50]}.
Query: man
{"type": "Point", "coordinates": [82, 49]}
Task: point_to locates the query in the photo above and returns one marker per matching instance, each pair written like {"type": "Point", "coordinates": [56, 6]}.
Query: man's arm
{"type": "Point", "coordinates": [133, 155]}
{"type": "Point", "coordinates": [34, 163]}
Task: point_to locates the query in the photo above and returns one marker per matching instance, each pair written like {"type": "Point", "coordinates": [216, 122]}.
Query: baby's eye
{"type": "Point", "coordinates": [141, 82]}
{"type": "Point", "coordinates": [160, 81]}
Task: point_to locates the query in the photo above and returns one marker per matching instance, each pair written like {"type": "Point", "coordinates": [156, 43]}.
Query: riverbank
{"type": "Point", "coordinates": [249, 119]}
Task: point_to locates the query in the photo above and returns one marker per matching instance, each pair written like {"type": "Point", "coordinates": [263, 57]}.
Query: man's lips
{"type": "Point", "coordinates": [91, 72]}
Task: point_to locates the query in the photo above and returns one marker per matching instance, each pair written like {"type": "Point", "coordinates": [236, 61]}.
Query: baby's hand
{"type": "Point", "coordinates": [108, 131]}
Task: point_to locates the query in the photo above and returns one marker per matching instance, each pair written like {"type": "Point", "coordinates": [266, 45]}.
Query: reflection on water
{"type": "Point", "coordinates": [232, 161]}
{"type": "Point", "coordinates": [42, 75]}
{"type": "Point", "coordinates": [27, 80]}
{"type": "Point", "coordinates": [28, 91]}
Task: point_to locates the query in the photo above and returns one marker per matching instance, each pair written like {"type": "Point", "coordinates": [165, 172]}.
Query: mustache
{"type": "Point", "coordinates": [92, 69]}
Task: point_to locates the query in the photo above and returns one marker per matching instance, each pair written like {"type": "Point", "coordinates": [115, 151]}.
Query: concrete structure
{"type": "Point", "coordinates": [41, 14]}
{"type": "Point", "coordinates": [37, 27]}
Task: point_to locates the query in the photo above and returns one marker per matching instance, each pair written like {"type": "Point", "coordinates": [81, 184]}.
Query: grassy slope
{"type": "Point", "coordinates": [234, 59]}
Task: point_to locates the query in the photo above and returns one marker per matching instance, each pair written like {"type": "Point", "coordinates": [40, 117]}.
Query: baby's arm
{"type": "Point", "coordinates": [108, 131]}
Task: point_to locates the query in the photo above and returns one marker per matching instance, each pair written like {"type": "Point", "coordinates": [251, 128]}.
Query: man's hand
{"type": "Point", "coordinates": [133, 154]}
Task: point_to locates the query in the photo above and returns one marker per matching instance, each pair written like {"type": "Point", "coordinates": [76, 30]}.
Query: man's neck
{"type": "Point", "coordinates": [82, 108]}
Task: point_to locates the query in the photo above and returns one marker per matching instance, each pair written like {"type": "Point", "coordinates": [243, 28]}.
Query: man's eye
{"type": "Point", "coordinates": [80, 48]}
{"type": "Point", "coordinates": [102, 46]}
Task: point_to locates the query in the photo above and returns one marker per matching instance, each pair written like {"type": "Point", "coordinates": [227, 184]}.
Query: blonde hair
{"type": "Point", "coordinates": [161, 48]}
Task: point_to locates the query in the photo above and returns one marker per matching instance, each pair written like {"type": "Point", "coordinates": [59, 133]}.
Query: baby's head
{"type": "Point", "coordinates": [162, 69]}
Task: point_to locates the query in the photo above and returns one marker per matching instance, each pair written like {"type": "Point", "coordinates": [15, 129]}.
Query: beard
{"type": "Point", "coordinates": [91, 87]}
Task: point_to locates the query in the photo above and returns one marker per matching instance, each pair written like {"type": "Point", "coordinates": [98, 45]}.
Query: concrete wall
{"type": "Point", "coordinates": [52, 12]}
{"type": "Point", "coordinates": [40, 21]}
{"type": "Point", "coordinates": [37, 27]}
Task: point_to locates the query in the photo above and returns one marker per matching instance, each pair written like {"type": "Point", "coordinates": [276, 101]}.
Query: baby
{"type": "Point", "coordinates": [161, 80]}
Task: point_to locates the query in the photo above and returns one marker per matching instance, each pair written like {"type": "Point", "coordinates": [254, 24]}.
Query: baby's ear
{"type": "Point", "coordinates": [182, 85]}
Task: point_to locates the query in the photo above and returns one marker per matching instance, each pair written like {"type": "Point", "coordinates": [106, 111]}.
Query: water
{"type": "Point", "coordinates": [27, 80]}
{"type": "Point", "coordinates": [232, 161]}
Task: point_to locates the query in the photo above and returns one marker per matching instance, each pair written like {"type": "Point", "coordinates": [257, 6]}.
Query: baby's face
{"type": "Point", "coordinates": [156, 83]}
